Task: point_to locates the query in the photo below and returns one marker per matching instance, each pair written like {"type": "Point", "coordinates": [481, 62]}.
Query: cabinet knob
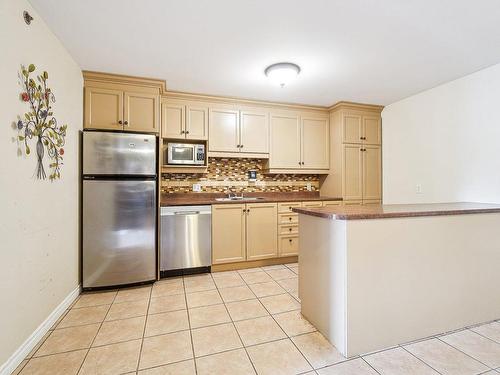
{"type": "Point", "coordinates": [120, 122]}
{"type": "Point", "coordinates": [126, 123]}
{"type": "Point", "coordinates": [290, 229]}
{"type": "Point", "coordinates": [187, 132]}
{"type": "Point", "coordinates": [290, 240]}
{"type": "Point", "coordinates": [182, 131]}
{"type": "Point", "coordinates": [241, 146]}
{"type": "Point", "coordinates": [290, 218]}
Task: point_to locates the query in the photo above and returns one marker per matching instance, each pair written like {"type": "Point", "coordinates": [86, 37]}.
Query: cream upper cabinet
{"type": "Point", "coordinates": [172, 120]}
{"type": "Point", "coordinates": [115, 105]}
{"type": "Point", "coordinates": [228, 233]}
{"type": "Point", "coordinates": [196, 122]}
{"type": "Point", "coordinates": [141, 112]}
{"type": "Point", "coordinates": [285, 141]}
{"type": "Point", "coordinates": [315, 149]}
{"type": "Point", "coordinates": [254, 132]}
{"type": "Point", "coordinates": [184, 120]}
{"type": "Point", "coordinates": [352, 128]}
{"type": "Point", "coordinates": [372, 167]}
{"type": "Point", "coordinates": [224, 130]}
{"type": "Point", "coordinates": [372, 133]}
{"type": "Point", "coordinates": [352, 181]}
{"type": "Point", "coordinates": [261, 230]}
{"type": "Point", "coordinates": [103, 108]}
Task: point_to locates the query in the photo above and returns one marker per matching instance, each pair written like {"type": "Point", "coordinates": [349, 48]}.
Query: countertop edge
{"type": "Point", "coordinates": [389, 215]}
{"type": "Point", "coordinates": [208, 201]}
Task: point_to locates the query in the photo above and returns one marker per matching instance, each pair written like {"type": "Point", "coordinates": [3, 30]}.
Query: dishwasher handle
{"type": "Point", "coordinates": [186, 212]}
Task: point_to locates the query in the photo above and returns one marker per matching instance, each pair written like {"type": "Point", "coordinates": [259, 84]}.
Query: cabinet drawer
{"type": "Point", "coordinates": [288, 218]}
{"type": "Point", "coordinates": [332, 203]}
{"type": "Point", "coordinates": [286, 207]}
{"type": "Point", "coordinates": [288, 245]}
{"type": "Point", "coordinates": [288, 229]}
{"type": "Point", "coordinates": [312, 204]}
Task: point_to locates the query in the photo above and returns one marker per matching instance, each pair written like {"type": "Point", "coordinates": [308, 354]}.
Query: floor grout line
{"type": "Point", "coordinates": [97, 332]}
{"type": "Point", "coordinates": [420, 359]}
{"type": "Point", "coordinates": [190, 328]}
{"type": "Point", "coordinates": [143, 332]}
{"type": "Point", "coordinates": [236, 329]}
{"type": "Point", "coordinates": [468, 355]}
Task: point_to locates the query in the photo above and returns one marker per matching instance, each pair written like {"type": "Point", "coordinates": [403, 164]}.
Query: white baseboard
{"type": "Point", "coordinates": [20, 354]}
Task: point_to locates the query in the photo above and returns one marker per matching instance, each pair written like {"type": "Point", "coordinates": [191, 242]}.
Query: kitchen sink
{"type": "Point", "coordinates": [243, 199]}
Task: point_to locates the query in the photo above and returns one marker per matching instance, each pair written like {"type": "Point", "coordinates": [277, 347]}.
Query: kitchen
{"type": "Point", "coordinates": [196, 223]}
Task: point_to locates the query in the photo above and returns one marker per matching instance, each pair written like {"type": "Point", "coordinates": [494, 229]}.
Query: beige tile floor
{"type": "Point", "coordinates": [231, 323]}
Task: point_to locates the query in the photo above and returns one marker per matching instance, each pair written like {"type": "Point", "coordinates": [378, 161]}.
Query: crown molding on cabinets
{"type": "Point", "coordinates": [124, 79]}
{"type": "Point", "coordinates": [356, 106]}
{"type": "Point", "coordinates": [240, 101]}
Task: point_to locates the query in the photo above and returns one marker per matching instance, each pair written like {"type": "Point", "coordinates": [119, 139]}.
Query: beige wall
{"type": "Point", "coordinates": [39, 219]}
{"type": "Point", "coordinates": [446, 140]}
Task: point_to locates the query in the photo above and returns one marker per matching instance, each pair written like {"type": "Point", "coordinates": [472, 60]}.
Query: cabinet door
{"type": "Point", "coordinates": [372, 133]}
{"type": "Point", "coordinates": [351, 128]}
{"type": "Point", "coordinates": [228, 233]}
{"type": "Point", "coordinates": [352, 178]}
{"type": "Point", "coordinates": [372, 171]}
{"type": "Point", "coordinates": [103, 108]}
{"type": "Point", "coordinates": [172, 120]}
{"type": "Point", "coordinates": [254, 132]}
{"type": "Point", "coordinates": [371, 202]}
{"type": "Point", "coordinates": [141, 112]}
{"type": "Point", "coordinates": [285, 142]}
{"type": "Point", "coordinates": [262, 231]}
{"type": "Point", "coordinates": [196, 122]}
{"type": "Point", "coordinates": [288, 246]}
{"type": "Point", "coordinates": [224, 133]}
{"type": "Point", "coordinates": [315, 143]}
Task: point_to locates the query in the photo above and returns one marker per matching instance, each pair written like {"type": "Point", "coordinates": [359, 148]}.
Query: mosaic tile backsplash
{"type": "Point", "coordinates": [230, 174]}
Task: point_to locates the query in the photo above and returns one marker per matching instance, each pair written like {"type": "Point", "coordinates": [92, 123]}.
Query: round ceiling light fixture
{"type": "Point", "coordinates": [282, 73]}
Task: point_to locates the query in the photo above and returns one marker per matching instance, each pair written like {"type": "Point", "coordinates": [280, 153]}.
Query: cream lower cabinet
{"type": "Point", "coordinates": [228, 233]}
{"type": "Point", "coordinates": [362, 165]}
{"type": "Point", "coordinates": [244, 232]}
{"type": "Point", "coordinates": [261, 231]}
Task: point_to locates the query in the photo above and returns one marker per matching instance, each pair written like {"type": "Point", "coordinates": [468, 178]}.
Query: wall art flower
{"type": "Point", "coordinates": [39, 123]}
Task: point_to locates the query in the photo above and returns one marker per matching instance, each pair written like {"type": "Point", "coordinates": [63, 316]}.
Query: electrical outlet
{"type": "Point", "coordinates": [197, 187]}
{"type": "Point", "coordinates": [418, 189]}
{"type": "Point", "coordinates": [309, 186]}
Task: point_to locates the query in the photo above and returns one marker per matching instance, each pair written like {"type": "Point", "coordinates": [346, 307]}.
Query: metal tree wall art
{"type": "Point", "coordinates": [40, 124]}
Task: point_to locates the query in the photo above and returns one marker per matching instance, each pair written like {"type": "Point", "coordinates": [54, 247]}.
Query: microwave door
{"type": "Point", "coordinates": [181, 155]}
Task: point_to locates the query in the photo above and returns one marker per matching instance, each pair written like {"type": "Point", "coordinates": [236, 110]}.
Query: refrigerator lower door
{"type": "Point", "coordinates": [119, 232]}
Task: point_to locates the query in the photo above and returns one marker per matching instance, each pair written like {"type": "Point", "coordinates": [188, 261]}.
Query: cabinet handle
{"type": "Point", "coordinates": [126, 123]}
{"type": "Point", "coordinates": [120, 122]}
{"type": "Point", "coordinates": [299, 162]}
{"type": "Point", "coordinates": [241, 146]}
{"type": "Point", "coordinates": [290, 218]}
{"type": "Point", "coordinates": [290, 240]}
{"type": "Point", "coordinates": [182, 132]}
{"type": "Point", "coordinates": [187, 132]}
{"type": "Point", "coordinates": [290, 229]}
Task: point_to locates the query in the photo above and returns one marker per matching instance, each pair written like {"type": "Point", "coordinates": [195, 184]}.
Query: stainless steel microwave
{"type": "Point", "coordinates": [186, 153]}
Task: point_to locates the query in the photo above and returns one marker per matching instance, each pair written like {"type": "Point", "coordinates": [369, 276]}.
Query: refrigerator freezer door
{"type": "Point", "coordinates": [119, 232]}
{"type": "Point", "coordinates": [107, 153]}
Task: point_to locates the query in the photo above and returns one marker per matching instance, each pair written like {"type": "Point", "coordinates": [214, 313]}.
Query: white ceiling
{"type": "Point", "coordinates": [370, 51]}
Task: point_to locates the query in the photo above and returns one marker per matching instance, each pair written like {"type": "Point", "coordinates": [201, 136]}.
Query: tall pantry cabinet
{"type": "Point", "coordinates": [356, 156]}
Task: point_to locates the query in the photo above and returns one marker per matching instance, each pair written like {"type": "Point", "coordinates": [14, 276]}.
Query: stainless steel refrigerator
{"type": "Point", "coordinates": [119, 210]}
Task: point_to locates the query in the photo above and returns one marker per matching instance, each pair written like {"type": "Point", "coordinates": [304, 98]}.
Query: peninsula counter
{"type": "Point", "coordinates": [374, 277]}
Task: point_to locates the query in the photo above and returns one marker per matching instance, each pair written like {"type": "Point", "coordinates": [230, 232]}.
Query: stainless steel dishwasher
{"type": "Point", "coordinates": [186, 240]}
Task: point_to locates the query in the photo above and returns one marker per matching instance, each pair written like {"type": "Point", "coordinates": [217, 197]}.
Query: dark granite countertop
{"type": "Point", "coordinates": [399, 210]}
{"type": "Point", "coordinates": [187, 199]}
